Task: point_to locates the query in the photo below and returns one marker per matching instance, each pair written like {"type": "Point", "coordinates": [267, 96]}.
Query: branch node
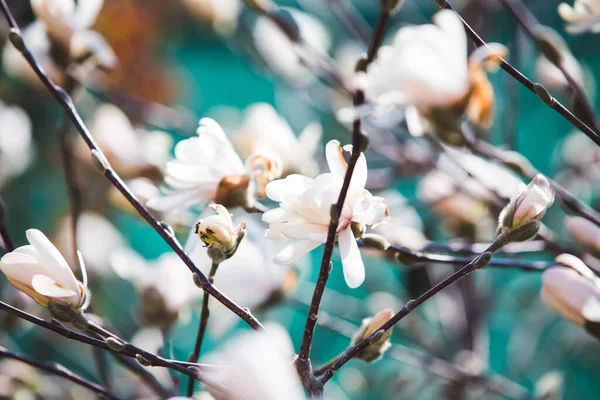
{"type": "Point", "coordinates": [114, 344]}
{"type": "Point", "coordinates": [376, 336]}
{"type": "Point", "coordinates": [99, 161]}
{"type": "Point", "coordinates": [142, 360]}
{"type": "Point", "coordinates": [200, 281]}
{"type": "Point", "coordinates": [544, 94]}
{"type": "Point", "coordinates": [17, 39]}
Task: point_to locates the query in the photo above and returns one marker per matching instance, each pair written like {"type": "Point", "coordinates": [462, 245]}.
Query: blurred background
{"type": "Point", "coordinates": [179, 61]}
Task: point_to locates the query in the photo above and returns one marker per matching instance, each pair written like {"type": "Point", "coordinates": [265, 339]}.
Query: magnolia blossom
{"type": "Point", "coordinates": [132, 152]}
{"type": "Point", "coordinates": [549, 74]}
{"type": "Point", "coordinates": [283, 55]}
{"type": "Point", "coordinates": [427, 68]}
{"type": "Point", "coordinates": [41, 272]}
{"type": "Point", "coordinates": [165, 284]}
{"type": "Point", "coordinates": [583, 16]}
{"type": "Point", "coordinates": [584, 231]}
{"type": "Point", "coordinates": [249, 277]}
{"type": "Point", "coordinates": [207, 168]}
{"type": "Point", "coordinates": [16, 147]}
{"type": "Point", "coordinates": [256, 366]}
{"type": "Point", "coordinates": [221, 14]}
{"type": "Point", "coordinates": [304, 212]}
{"type": "Point", "coordinates": [530, 205]}
{"type": "Point", "coordinates": [264, 131]}
{"type": "Point", "coordinates": [568, 290]}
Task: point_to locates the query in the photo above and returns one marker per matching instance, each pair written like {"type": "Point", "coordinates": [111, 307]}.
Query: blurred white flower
{"type": "Point", "coordinates": [305, 208]}
{"type": "Point", "coordinates": [41, 272]}
{"type": "Point", "coordinates": [132, 152]}
{"type": "Point", "coordinates": [249, 277]}
{"type": "Point", "coordinates": [168, 277]}
{"type": "Point", "coordinates": [568, 290]}
{"type": "Point", "coordinates": [264, 131]}
{"type": "Point", "coordinates": [583, 16]}
{"type": "Point", "coordinates": [282, 55]}
{"type": "Point", "coordinates": [16, 147]}
{"type": "Point", "coordinates": [584, 231]}
{"type": "Point", "coordinates": [256, 366]}
{"type": "Point", "coordinates": [68, 23]}
{"type": "Point", "coordinates": [207, 168]}
{"type": "Point", "coordinates": [549, 74]}
{"type": "Point", "coordinates": [143, 189]}
{"type": "Point", "coordinates": [427, 68]}
{"type": "Point", "coordinates": [530, 205]}
{"type": "Point", "coordinates": [406, 229]}
{"type": "Point", "coordinates": [97, 238]}
{"type": "Point", "coordinates": [221, 14]}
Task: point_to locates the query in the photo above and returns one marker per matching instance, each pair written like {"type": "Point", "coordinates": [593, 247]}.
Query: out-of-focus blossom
{"type": "Point", "coordinates": [283, 55]}
{"type": "Point", "coordinates": [41, 272]}
{"type": "Point", "coordinates": [530, 205]}
{"type": "Point", "coordinates": [143, 189]}
{"type": "Point", "coordinates": [264, 131]}
{"type": "Point", "coordinates": [409, 73]}
{"type": "Point", "coordinates": [132, 152]}
{"type": "Point", "coordinates": [249, 277]}
{"type": "Point", "coordinates": [584, 231]}
{"type": "Point", "coordinates": [16, 147]}
{"type": "Point", "coordinates": [375, 350]}
{"type": "Point", "coordinates": [406, 228]}
{"type": "Point", "coordinates": [568, 290]}
{"type": "Point", "coordinates": [97, 238]}
{"type": "Point", "coordinates": [305, 211]}
{"type": "Point", "coordinates": [221, 14]}
{"type": "Point", "coordinates": [68, 24]}
{"type": "Point", "coordinates": [548, 73]}
{"type": "Point", "coordinates": [207, 168]}
{"type": "Point", "coordinates": [583, 16]}
{"type": "Point", "coordinates": [256, 366]}
{"type": "Point", "coordinates": [165, 285]}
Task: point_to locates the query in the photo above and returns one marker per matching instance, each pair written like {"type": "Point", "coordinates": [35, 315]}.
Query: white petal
{"type": "Point", "coordinates": [295, 251]}
{"type": "Point", "coordinates": [276, 215]}
{"type": "Point", "coordinates": [47, 286]}
{"type": "Point", "coordinates": [370, 209]}
{"type": "Point", "coordinates": [359, 179]}
{"type": "Point", "coordinates": [335, 159]}
{"type": "Point", "coordinates": [354, 269]}
{"type": "Point", "coordinates": [304, 230]}
{"type": "Point", "coordinates": [86, 13]}
{"type": "Point", "coordinates": [222, 211]}
{"type": "Point", "coordinates": [179, 200]}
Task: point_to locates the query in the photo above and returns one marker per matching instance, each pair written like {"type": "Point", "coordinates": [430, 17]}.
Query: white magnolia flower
{"type": "Point", "coordinates": [249, 277]}
{"type": "Point", "coordinates": [132, 152]}
{"type": "Point", "coordinates": [305, 208]}
{"type": "Point", "coordinates": [406, 229]}
{"type": "Point", "coordinates": [568, 290]}
{"type": "Point", "coordinates": [265, 131]}
{"type": "Point", "coordinates": [584, 231]}
{"type": "Point", "coordinates": [583, 16]}
{"type": "Point", "coordinates": [281, 54]}
{"type": "Point", "coordinates": [207, 168]}
{"type": "Point", "coordinates": [549, 74]}
{"type": "Point", "coordinates": [16, 147]}
{"type": "Point", "coordinates": [97, 238]}
{"type": "Point", "coordinates": [530, 205]}
{"type": "Point", "coordinates": [41, 272]}
{"type": "Point", "coordinates": [167, 275]}
{"type": "Point", "coordinates": [427, 68]}
{"type": "Point", "coordinates": [256, 366]}
{"type": "Point", "coordinates": [222, 14]}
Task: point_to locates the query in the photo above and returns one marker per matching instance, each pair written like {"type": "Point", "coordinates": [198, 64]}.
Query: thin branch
{"type": "Point", "coordinates": [543, 95]}
{"type": "Point", "coordinates": [477, 248]}
{"type": "Point", "coordinates": [475, 264]}
{"type": "Point", "coordinates": [529, 23]}
{"type": "Point", "coordinates": [57, 369]}
{"type": "Point", "coordinates": [162, 229]}
{"type": "Point", "coordinates": [204, 314]}
{"type": "Point", "coordinates": [6, 239]}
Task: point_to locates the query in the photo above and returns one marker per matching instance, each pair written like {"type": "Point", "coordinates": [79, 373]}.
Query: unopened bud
{"type": "Point", "coordinates": [114, 344]}
{"type": "Point", "coordinates": [524, 232]}
{"type": "Point", "coordinates": [218, 234]}
{"type": "Point", "coordinates": [543, 94]}
{"type": "Point", "coordinates": [16, 38]}
{"type": "Point", "coordinates": [142, 360]}
{"type": "Point", "coordinates": [375, 241]}
{"type": "Point", "coordinates": [379, 342]}
{"type": "Point", "coordinates": [357, 229]}
{"type": "Point", "coordinates": [99, 161]}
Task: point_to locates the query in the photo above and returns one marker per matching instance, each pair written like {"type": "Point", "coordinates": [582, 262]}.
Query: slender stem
{"type": "Point", "coordinates": [162, 229]}
{"type": "Point", "coordinates": [323, 368]}
{"type": "Point", "coordinates": [552, 103]}
{"type": "Point", "coordinates": [476, 263]}
{"type": "Point", "coordinates": [73, 191]}
{"type": "Point", "coordinates": [6, 239]}
{"type": "Point", "coordinates": [59, 370]}
{"type": "Point", "coordinates": [204, 314]}
{"type": "Point", "coordinates": [529, 23]}
{"type": "Point", "coordinates": [476, 248]}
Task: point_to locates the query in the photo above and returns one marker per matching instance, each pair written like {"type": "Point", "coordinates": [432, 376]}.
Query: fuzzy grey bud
{"type": "Point", "coordinates": [99, 161]}
{"type": "Point", "coordinates": [543, 94]}
{"type": "Point", "coordinates": [143, 360]}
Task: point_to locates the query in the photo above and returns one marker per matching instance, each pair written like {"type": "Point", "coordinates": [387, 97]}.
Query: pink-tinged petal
{"type": "Point", "coordinates": [276, 215]}
{"type": "Point", "coordinates": [359, 179]}
{"type": "Point", "coordinates": [292, 253]}
{"type": "Point", "coordinates": [354, 269]}
{"type": "Point", "coordinates": [48, 287]}
{"type": "Point", "coordinates": [305, 230]}
{"type": "Point", "coordinates": [370, 210]}
{"type": "Point", "coordinates": [335, 158]}
{"type": "Point", "coordinates": [19, 270]}
{"type": "Point", "coordinates": [50, 256]}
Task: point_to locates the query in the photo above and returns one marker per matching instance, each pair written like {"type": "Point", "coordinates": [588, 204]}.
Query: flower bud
{"type": "Point", "coordinates": [218, 234]}
{"type": "Point", "coordinates": [381, 341]}
{"type": "Point", "coordinates": [530, 205]}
